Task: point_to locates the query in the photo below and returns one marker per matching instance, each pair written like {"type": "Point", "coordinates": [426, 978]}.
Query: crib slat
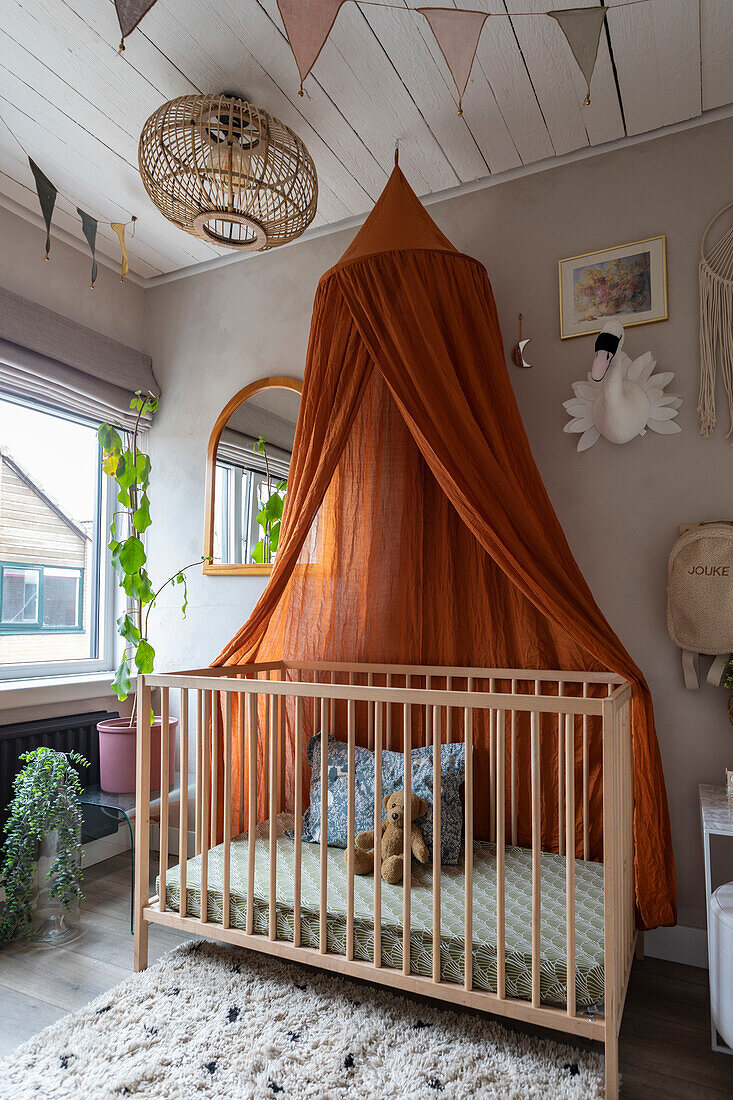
{"type": "Point", "coordinates": [513, 768]}
{"type": "Point", "coordinates": [227, 807]}
{"type": "Point", "coordinates": [206, 780]}
{"type": "Point", "coordinates": [282, 753]}
{"type": "Point", "coordinates": [378, 834]}
{"type": "Point", "coordinates": [199, 769]}
{"type": "Point", "coordinates": [500, 857]}
{"type": "Point", "coordinates": [389, 715]}
{"type": "Point", "coordinates": [213, 830]}
{"type": "Point", "coordinates": [370, 715]}
{"type": "Point", "coordinates": [449, 714]}
{"type": "Point", "coordinates": [272, 913]}
{"type": "Point", "coordinates": [266, 750]}
{"type": "Point", "coordinates": [570, 857]}
{"type": "Point", "coordinates": [586, 782]}
{"type": "Point", "coordinates": [536, 844]}
{"type": "Point", "coordinates": [492, 768]}
{"type": "Point", "coordinates": [350, 830]}
{"type": "Point", "coordinates": [437, 863]}
{"type": "Point", "coordinates": [183, 806]}
{"type": "Point", "coordinates": [468, 847]}
{"type": "Point", "coordinates": [560, 775]}
{"type": "Point", "coordinates": [322, 929]}
{"type": "Point", "coordinates": [406, 851]}
{"type": "Point", "coordinates": [252, 704]}
{"type": "Point", "coordinates": [298, 815]}
{"type": "Point", "coordinates": [164, 758]}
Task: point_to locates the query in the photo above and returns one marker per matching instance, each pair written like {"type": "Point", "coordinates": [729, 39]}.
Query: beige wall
{"type": "Point", "coordinates": [620, 506]}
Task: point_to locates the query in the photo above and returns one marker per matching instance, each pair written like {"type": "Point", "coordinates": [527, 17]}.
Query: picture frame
{"type": "Point", "coordinates": [627, 282]}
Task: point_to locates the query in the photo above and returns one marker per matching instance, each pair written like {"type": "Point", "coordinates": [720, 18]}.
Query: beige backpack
{"type": "Point", "coordinates": [700, 599]}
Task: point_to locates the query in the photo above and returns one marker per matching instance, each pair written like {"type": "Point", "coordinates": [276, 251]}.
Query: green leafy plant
{"type": "Point", "coordinates": [270, 514]}
{"type": "Point", "coordinates": [45, 799]}
{"type": "Point", "coordinates": [124, 461]}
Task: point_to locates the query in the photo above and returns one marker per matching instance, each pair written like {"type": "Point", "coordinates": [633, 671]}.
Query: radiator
{"type": "Point", "coordinates": [72, 731]}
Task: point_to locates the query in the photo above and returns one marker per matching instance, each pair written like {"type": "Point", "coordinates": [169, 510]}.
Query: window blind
{"type": "Point", "coordinates": [49, 358]}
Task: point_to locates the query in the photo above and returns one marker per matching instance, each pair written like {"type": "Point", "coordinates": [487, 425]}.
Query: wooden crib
{"type": "Point", "coordinates": [278, 704]}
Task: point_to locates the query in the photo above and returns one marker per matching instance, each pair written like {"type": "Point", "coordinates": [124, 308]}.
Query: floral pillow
{"type": "Point", "coordinates": [451, 777]}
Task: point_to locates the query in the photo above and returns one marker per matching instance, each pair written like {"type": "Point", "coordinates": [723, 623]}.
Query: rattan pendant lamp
{"type": "Point", "coordinates": [228, 172]}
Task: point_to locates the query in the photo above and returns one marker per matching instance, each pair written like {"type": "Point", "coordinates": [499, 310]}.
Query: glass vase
{"type": "Point", "coordinates": [53, 921]}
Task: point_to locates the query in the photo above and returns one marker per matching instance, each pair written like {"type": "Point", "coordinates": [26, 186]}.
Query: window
{"type": "Point", "coordinates": [240, 495]}
{"type": "Point", "coordinates": [34, 599]}
{"type": "Point", "coordinates": [56, 588]}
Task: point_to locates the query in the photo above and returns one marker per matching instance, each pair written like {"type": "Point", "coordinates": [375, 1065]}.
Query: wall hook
{"type": "Point", "coordinates": [518, 349]}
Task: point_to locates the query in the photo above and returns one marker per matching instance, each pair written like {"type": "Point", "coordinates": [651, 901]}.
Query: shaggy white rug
{"type": "Point", "coordinates": [214, 1021]}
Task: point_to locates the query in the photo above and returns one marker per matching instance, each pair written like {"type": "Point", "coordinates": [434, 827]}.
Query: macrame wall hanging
{"type": "Point", "coordinates": [716, 323]}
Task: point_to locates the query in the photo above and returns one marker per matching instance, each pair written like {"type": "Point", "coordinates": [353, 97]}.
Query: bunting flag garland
{"type": "Point", "coordinates": [308, 24]}
{"type": "Point", "coordinates": [89, 226]}
{"type": "Point", "coordinates": [47, 198]}
{"type": "Point", "coordinates": [582, 28]}
{"type": "Point", "coordinates": [457, 33]}
{"type": "Point", "coordinates": [119, 228]}
{"type": "Point", "coordinates": [129, 14]}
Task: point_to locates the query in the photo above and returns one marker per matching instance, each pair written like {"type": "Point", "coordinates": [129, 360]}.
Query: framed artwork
{"type": "Point", "coordinates": [628, 282]}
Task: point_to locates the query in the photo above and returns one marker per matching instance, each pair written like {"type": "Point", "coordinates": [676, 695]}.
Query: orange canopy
{"type": "Point", "coordinates": [417, 529]}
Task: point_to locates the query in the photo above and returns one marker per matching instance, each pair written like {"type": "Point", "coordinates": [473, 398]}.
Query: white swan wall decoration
{"type": "Point", "coordinates": [621, 398]}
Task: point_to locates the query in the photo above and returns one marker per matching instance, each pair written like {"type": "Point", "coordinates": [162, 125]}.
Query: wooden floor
{"type": "Point", "coordinates": [665, 1039]}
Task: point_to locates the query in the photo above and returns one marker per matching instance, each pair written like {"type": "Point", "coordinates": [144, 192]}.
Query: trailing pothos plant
{"type": "Point", "coordinates": [270, 513]}
{"type": "Point", "coordinates": [125, 462]}
{"type": "Point", "coordinates": [45, 799]}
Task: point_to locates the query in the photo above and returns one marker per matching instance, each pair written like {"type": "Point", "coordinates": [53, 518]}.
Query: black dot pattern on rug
{"type": "Point", "coordinates": [173, 991]}
{"type": "Point", "coordinates": [236, 968]}
{"type": "Point", "coordinates": [101, 1011]}
{"type": "Point", "coordinates": [233, 1014]}
{"type": "Point", "coordinates": [420, 1024]}
{"type": "Point", "coordinates": [299, 986]}
{"type": "Point", "coordinates": [572, 1068]}
{"type": "Point", "coordinates": [150, 1030]}
{"type": "Point", "coordinates": [435, 1083]}
{"type": "Point", "coordinates": [64, 1060]}
{"type": "Point", "coordinates": [275, 1087]}
{"type": "Point", "coordinates": [293, 1036]}
{"type": "Point", "coordinates": [349, 1061]}
{"type": "Point", "coordinates": [211, 1067]}
{"type": "Point", "coordinates": [123, 1091]}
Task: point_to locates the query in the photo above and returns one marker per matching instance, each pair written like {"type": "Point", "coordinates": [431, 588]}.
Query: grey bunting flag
{"type": "Point", "coordinates": [89, 225]}
{"type": "Point", "coordinates": [129, 14]}
{"type": "Point", "coordinates": [47, 198]}
{"type": "Point", "coordinates": [582, 28]}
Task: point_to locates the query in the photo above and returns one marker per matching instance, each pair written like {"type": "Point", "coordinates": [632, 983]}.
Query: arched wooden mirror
{"type": "Point", "coordinates": [247, 465]}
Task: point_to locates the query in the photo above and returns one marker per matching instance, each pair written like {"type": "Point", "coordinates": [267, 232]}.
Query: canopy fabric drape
{"type": "Point", "coordinates": [48, 358]}
{"type": "Point", "coordinates": [417, 528]}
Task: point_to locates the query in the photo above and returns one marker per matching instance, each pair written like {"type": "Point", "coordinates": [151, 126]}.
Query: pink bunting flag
{"type": "Point", "coordinates": [457, 32]}
{"type": "Point", "coordinates": [308, 24]}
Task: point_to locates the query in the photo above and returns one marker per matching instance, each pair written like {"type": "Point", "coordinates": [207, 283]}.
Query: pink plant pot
{"type": "Point", "coordinates": [117, 747]}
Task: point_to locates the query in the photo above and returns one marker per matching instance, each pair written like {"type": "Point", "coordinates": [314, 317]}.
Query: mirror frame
{"type": "Point", "coordinates": [278, 381]}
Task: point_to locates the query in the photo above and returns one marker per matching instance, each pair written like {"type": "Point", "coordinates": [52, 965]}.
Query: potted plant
{"type": "Point", "coordinates": [41, 869]}
{"type": "Point", "coordinates": [270, 513]}
{"type": "Point", "coordinates": [125, 462]}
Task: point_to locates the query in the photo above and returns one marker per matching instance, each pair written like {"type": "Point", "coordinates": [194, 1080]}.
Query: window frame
{"type": "Point", "coordinates": [103, 590]}
{"type": "Point", "coordinates": [39, 627]}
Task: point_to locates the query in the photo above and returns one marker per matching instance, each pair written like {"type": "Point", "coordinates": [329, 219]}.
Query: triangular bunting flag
{"type": "Point", "coordinates": [129, 13]}
{"type": "Point", "coordinates": [582, 28]}
{"type": "Point", "coordinates": [457, 33]}
{"type": "Point", "coordinates": [47, 198]}
{"type": "Point", "coordinates": [119, 228]}
{"type": "Point", "coordinates": [308, 24]}
{"type": "Point", "coordinates": [89, 225]}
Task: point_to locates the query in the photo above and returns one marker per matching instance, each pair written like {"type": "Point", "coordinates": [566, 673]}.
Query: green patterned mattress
{"type": "Point", "coordinates": [518, 908]}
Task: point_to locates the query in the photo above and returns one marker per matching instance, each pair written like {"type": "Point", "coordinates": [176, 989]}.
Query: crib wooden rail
{"type": "Point", "coordinates": [271, 709]}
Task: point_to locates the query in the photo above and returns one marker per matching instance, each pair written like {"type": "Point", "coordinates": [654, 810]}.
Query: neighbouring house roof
{"type": "Point", "coordinates": [23, 474]}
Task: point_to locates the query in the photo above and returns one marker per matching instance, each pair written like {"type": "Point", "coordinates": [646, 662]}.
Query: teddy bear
{"type": "Point", "coordinates": [392, 839]}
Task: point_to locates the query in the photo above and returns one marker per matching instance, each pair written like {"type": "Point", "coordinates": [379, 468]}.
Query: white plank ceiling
{"type": "Point", "coordinates": [78, 106]}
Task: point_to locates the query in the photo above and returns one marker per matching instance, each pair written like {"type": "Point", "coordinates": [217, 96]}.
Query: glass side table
{"type": "Point", "coordinates": [119, 807]}
{"type": "Point", "coordinates": [716, 816]}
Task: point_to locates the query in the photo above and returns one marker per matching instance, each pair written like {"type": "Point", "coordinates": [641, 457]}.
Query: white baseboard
{"type": "Point", "coordinates": [172, 840]}
{"type": "Point", "coordinates": [679, 944]}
